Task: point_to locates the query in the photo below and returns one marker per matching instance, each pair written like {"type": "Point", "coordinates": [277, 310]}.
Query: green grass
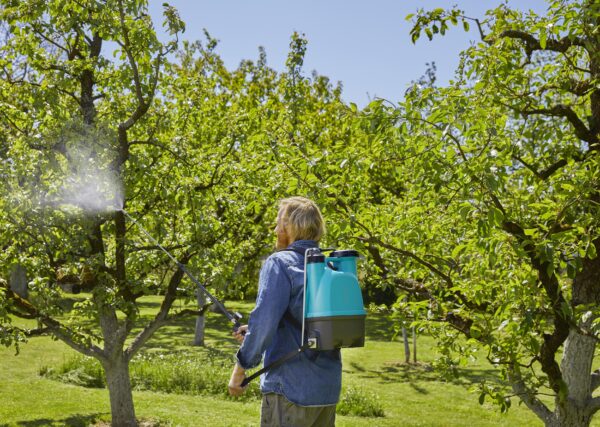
{"type": "Point", "coordinates": [356, 402]}
{"type": "Point", "coordinates": [199, 371]}
{"type": "Point", "coordinates": [374, 380]}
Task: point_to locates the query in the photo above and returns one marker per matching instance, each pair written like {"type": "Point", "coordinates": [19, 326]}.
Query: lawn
{"type": "Point", "coordinates": [410, 395]}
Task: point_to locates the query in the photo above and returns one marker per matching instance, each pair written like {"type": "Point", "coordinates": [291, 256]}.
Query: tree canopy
{"type": "Point", "coordinates": [475, 203]}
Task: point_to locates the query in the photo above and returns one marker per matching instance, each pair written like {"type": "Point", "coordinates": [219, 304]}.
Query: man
{"type": "Point", "coordinates": [303, 391]}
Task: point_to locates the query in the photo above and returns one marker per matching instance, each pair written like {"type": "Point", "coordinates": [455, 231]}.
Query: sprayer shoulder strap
{"type": "Point", "coordinates": [274, 365]}
{"type": "Point", "coordinates": [288, 315]}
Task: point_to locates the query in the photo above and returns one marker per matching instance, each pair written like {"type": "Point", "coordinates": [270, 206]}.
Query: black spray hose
{"type": "Point", "coordinates": [234, 317]}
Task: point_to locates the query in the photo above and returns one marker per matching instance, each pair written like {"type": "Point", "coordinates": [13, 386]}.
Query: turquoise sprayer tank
{"type": "Point", "coordinates": [334, 315]}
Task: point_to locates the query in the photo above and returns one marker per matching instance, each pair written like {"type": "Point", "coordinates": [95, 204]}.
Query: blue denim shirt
{"type": "Point", "coordinates": [313, 378]}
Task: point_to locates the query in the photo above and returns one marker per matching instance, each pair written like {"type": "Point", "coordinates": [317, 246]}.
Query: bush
{"type": "Point", "coordinates": [359, 403]}
{"type": "Point", "coordinates": [79, 370]}
{"type": "Point", "coordinates": [203, 371]}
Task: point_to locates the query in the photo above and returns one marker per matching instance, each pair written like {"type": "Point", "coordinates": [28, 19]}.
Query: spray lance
{"type": "Point", "coordinates": [234, 317]}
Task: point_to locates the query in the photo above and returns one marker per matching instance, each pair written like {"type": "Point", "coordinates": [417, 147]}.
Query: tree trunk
{"type": "Point", "coordinates": [199, 335]}
{"type": "Point", "coordinates": [576, 366]}
{"type": "Point", "coordinates": [119, 390]}
{"type": "Point", "coordinates": [18, 281]}
{"type": "Point", "coordinates": [406, 346]}
{"type": "Point", "coordinates": [200, 322]}
{"type": "Point", "coordinates": [414, 336]}
{"type": "Point", "coordinates": [578, 354]}
{"type": "Point", "coordinates": [201, 319]}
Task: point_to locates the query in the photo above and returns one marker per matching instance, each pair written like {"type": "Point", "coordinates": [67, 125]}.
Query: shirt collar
{"type": "Point", "coordinates": [303, 244]}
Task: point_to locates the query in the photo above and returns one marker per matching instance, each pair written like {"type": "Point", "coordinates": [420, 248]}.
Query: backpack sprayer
{"type": "Point", "coordinates": [333, 312]}
{"type": "Point", "coordinates": [234, 317]}
{"type": "Point", "coordinates": [334, 315]}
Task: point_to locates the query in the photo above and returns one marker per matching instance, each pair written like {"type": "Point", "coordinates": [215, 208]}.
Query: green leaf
{"type": "Point", "coordinates": [591, 251]}
{"type": "Point", "coordinates": [495, 217]}
{"type": "Point", "coordinates": [457, 250]}
{"type": "Point", "coordinates": [543, 36]}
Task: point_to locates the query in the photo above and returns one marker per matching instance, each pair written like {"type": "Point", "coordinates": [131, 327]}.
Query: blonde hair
{"type": "Point", "coordinates": [302, 218]}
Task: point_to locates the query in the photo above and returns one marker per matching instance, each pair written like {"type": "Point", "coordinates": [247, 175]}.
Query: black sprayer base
{"type": "Point", "coordinates": [336, 331]}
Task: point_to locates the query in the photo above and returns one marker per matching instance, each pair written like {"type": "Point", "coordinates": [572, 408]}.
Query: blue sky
{"type": "Point", "coordinates": [364, 44]}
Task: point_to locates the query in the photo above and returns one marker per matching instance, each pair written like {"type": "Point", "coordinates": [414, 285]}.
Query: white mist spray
{"type": "Point", "coordinates": [91, 188]}
{"type": "Point", "coordinates": [89, 184]}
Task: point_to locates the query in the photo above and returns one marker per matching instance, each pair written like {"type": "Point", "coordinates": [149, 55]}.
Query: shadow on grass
{"type": "Point", "coordinates": [413, 374]}
{"type": "Point", "coordinates": [218, 328]}
{"type": "Point", "coordinates": [76, 420]}
{"type": "Point", "coordinates": [180, 332]}
{"type": "Point", "coordinates": [379, 327]}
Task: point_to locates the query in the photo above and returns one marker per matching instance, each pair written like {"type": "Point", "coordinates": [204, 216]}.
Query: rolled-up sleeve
{"type": "Point", "coordinates": [273, 298]}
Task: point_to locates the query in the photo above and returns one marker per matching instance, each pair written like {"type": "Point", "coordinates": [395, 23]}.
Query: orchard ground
{"type": "Point", "coordinates": [410, 395]}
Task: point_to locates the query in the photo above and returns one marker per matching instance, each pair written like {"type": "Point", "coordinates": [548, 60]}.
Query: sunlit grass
{"type": "Point", "coordinates": [408, 395]}
{"type": "Point", "coordinates": [197, 371]}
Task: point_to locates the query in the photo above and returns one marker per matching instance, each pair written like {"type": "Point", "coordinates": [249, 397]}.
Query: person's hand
{"type": "Point", "coordinates": [240, 333]}
{"type": "Point", "coordinates": [235, 382]}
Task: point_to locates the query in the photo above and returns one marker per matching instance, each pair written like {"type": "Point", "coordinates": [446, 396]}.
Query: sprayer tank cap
{"type": "Point", "coordinates": [315, 258]}
{"type": "Point", "coordinates": [344, 253]}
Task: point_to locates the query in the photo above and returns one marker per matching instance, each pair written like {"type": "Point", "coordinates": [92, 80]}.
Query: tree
{"type": "Point", "coordinates": [494, 228]}
{"type": "Point", "coordinates": [178, 144]}
{"type": "Point", "coordinates": [479, 200]}
{"type": "Point", "coordinates": [55, 72]}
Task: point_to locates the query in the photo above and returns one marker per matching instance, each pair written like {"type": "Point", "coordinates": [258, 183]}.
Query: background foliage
{"type": "Point", "coordinates": [475, 204]}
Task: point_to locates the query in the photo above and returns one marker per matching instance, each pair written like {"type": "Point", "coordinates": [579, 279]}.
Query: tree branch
{"type": "Point", "coordinates": [418, 288]}
{"type": "Point", "coordinates": [155, 248]}
{"type": "Point", "coordinates": [411, 255]}
{"type": "Point", "coordinates": [36, 332]}
{"type": "Point", "coordinates": [143, 104]}
{"type": "Point", "coordinates": [71, 338]}
{"type": "Point", "coordinates": [561, 110]}
{"type": "Point", "coordinates": [528, 397]}
{"type": "Point", "coordinates": [39, 33]}
{"type": "Point", "coordinates": [571, 85]}
{"type": "Point", "coordinates": [126, 46]}
{"type": "Point", "coordinates": [552, 341]}
{"type": "Point", "coordinates": [546, 173]}
{"type": "Point", "coordinates": [13, 124]}
{"type": "Point", "coordinates": [213, 179]}
{"type": "Point", "coordinates": [155, 143]}
{"type": "Point", "coordinates": [161, 317]}
{"type": "Point", "coordinates": [38, 85]}
{"type": "Point", "coordinates": [532, 43]}
{"type": "Point", "coordinates": [413, 287]}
